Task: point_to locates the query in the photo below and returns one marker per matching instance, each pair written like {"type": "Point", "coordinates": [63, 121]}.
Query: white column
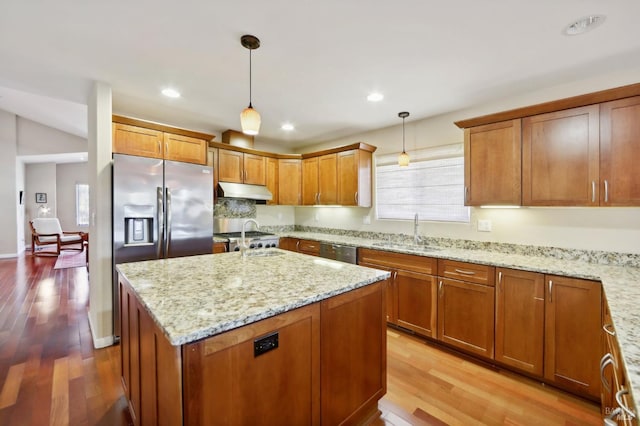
{"type": "Point", "coordinates": [100, 235]}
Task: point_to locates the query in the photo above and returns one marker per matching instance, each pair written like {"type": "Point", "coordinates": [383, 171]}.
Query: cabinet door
{"type": "Point", "coordinates": [619, 152]}
{"type": "Point", "coordinates": [220, 248]}
{"type": "Point", "coordinates": [465, 316]}
{"type": "Point", "coordinates": [310, 181]}
{"type": "Point", "coordinates": [135, 140]}
{"type": "Point", "coordinates": [573, 339]}
{"type": "Point", "coordinates": [308, 247]}
{"type": "Point", "coordinates": [287, 243]}
{"type": "Point", "coordinates": [560, 158]}
{"type": "Point", "coordinates": [492, 166]}
{"type": "Point", "coordinates": [255, 167]}
{"type": "Point", "coordinates": [272, 179]}
{"type": "Point", "coordinates": [185, 148]}
{"type": "Point", "coordinates": [390, 292]}
{"type": "Point", "coordinates": [230, 166]}
{"type": "Point", "coordinates": [520, 320]}
{"type": "Point", "coordinates": [289, 178]}
{"type": "Point", "coordinates": [354, 178]}
{"type": "Point", "coordinates": [327, 179]}
{"type": "Point", "coordinates": [417, 302]}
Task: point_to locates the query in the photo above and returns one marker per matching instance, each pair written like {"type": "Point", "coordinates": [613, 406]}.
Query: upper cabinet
{"type": "Point", "coordinates": [272, 179]}
{"type": "Point", "coordinates": [492, 164]}
{"type": "Point", "coordinates": [289, 182]}
{"type": "Point", "coordinates": [574, 152]}
{"type": "Point", "coordinates": [146, 139]}
{"type": "Point", "coordinates": [619, 150]}
{"type": "Point", "coordinates": [319, 180]}
{"type": "Point", "coordinates": [241, 167]}
{"type": "Point", "coordinates": [354, 169]}
{"type": "Point", "coordinates": [560, 152]}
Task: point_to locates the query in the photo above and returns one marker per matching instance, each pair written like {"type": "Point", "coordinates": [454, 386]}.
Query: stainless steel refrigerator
{"type": "Point", "coordinates": [161, 209]}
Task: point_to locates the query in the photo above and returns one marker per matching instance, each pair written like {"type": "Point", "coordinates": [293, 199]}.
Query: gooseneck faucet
{"type": "Point", "coordinates": [416, 238]}
{"type": "Point", "coordinates": [243, 245]}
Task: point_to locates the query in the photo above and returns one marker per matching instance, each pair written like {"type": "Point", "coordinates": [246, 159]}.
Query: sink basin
{"type": "Point", "coordinates": [264, 253]}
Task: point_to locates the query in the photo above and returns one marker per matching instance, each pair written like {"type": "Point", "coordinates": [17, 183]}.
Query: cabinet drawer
{"type": "Point", "coordinates": [308, 247]}
{"type": "Point", "coordinates": [408, 262]}
{"type": "Point", "coordinates": [470, 272]}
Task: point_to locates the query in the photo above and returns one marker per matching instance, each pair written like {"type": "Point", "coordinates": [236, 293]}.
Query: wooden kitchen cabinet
{"type": "Point", "coordinates": [289, 181]}
{"type": "Point", "coordinates": [319, 180]}
{"type": "Point", "coordinates": [241, 167]}
{"type": "Point", "coordinates": [573, 339]}
{"type": "Point", "coordinates": [411, 292]}
{"type": "Point", "coordinates": [220, 248]}
{"type": "Point", "coordinates": [272, 179]}
{"type": "Point", "coordinates": [619, 151]}
{"type": "Point", "coordinates": [298, 245]}
{"type": "Point", "coordinates": [492, 167]}
{"type": "Point", "coordinates": [466, 306]}
{"type": "Point", "coordinates": [144, 142]}
{"type": "Point", "coordinates": [560, 158]}
{"type": "Point", "coordinates": [354, 171]}
{"type": "Point", "coordinates": [519, 324]}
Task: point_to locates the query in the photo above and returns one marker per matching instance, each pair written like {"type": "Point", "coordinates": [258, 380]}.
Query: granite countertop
{"type": "Point", "coordinates": [194, 297]}
{"type": "Point", "coordinates": [621, 284]}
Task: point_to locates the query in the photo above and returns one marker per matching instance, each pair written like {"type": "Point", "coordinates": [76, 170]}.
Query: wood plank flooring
{"type": "Point", "coordinates": [50, 374]}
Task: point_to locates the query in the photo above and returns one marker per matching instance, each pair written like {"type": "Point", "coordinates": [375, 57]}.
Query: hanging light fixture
{"type": "Point", "coordinates": [249, 118]}
{"type": "Point", "coordinates": [403, 159]}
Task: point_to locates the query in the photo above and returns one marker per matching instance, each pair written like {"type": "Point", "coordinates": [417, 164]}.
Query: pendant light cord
{"type": "Point", "coordinates": [250, 79]}
{"type": "Point", "coordinates": [403, 135]}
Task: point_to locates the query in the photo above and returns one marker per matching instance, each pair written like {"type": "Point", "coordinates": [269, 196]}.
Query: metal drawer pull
{"type": "Point", "coordinates": [608, 328]}
{"type": "Point", "coordinates": [463, 272]}
{"type": "Point", "coordinates": [500, 281]}
{"type": "Point", "coordinates": [624, 408]}
{"type": "Point", "coordinates": [606, 191]}
{"type": "Point", "coordinates": [440, 287]}
{"type": "Point", "coordinates": [607, 359]}
{"type": "Point", "coordinates": [593, 191]}
{"type": "Point", "coordinates": [550, 291]}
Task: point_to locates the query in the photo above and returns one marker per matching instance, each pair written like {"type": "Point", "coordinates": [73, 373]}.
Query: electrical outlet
{"type": "Point", "coordinates": [484, 225]}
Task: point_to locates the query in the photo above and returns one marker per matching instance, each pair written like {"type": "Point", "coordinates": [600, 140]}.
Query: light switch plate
{"type": "Point", "coordinates": [484, 225]}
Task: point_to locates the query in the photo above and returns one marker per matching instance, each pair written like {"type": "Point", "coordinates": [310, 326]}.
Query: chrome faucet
{"type": "Point", "coordinates": [416, 238]}
{"type": "Point", "coordinates": [243, 244]}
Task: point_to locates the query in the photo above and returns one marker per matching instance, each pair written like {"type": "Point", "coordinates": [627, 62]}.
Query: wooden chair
{"type": "Point", "coordinates": [47, 231]}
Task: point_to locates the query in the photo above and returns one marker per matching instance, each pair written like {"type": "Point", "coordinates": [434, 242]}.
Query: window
{"type": "Point", "coordinates": [432, 186]}
{"type": "Point", "coordinates": [82, 204]}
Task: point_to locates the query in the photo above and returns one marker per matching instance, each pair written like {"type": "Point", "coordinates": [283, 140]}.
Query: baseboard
{"type": "Point", "coordinates": [8, 255]}
{"type": "Point", "coordinates": [102, 342]}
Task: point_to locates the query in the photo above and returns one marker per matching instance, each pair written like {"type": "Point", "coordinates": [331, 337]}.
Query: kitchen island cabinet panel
{"type": "Point", "coordinates": [280, 386]}
{"type": "Point", "coordinates": [573, 335]}
{"type": "Point", "coordinates": [519, 335]}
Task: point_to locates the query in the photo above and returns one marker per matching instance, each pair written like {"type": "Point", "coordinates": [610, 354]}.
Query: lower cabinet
{"type": "Point", "coordinates": [519, 339]}
{"type": "Point", "coordinates": [411, 292]}
{"type": "Point", "coordinates": [298, 245]}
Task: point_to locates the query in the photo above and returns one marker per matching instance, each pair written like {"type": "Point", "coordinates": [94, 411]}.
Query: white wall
{"type": "Point", "coordinates": [37, 139]}
{"type": "Point", "coordinates": [8, 195]}
{"type": "Point", "coordinates": [67, 176]}
{"type": "Point", "coordinates": [609, 229]}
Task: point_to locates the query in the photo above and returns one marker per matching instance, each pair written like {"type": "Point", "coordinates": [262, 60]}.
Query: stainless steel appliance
{"type": "Point", "coordinates": [161, 209]}
{"type": "Point", "coordinates": [339, 252]}
{"type": "Point", "coordinates": [231, 228]}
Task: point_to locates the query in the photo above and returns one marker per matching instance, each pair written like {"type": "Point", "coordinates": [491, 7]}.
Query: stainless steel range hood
{"type": "Point", "coordinates": [243, 190]}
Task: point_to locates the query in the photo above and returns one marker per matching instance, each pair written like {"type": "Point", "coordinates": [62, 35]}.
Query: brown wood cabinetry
{"type": "Point", "coordinates": [298, 245]}
{"type": "Point", "coordinates": [354, 177]}
{"type": "Point", "coordinates": [272, 179]}
{"type": "Point", "coordinates": [411, 291]}
{"type": "Point", "coordinates": [289, 181]}
{"type": "Point", "coordinates": [310, 181]}
{"type": "Point", "coordinates": [466, 306]}
{"type": "Point", "coordinates": [519, 329]}
{"type": "Point", "coordinates": [241, 167]}
{"type": "Point", "coordinates": [492, 169]}
{"type": "Point", "coordinates": [619, 151]}
{"type": "Point", "coordinates": [319, 180]}
{"type": "Point", "coordinates": [220, 248]}
{"type": "Point", "coordinates": [573, 339]}
{"type": "Point", "coordinates": [560, 158]}
{"type": "Point", "coordinates": [144, 142]}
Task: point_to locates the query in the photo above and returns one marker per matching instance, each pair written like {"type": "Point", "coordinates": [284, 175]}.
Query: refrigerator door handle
{"type": "Point", "coordinates": [159, 221]}
{"type": "Point", "coordinates": [168, 239]}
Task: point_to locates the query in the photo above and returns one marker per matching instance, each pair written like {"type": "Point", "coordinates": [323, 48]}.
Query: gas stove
{"type": "Point", "coordinates": [253, 240]}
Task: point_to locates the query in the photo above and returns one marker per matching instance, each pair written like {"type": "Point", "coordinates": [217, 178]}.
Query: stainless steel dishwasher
{"type": "Point", "coordinates": [339, 252]}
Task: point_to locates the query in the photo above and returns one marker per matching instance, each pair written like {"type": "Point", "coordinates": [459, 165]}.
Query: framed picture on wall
{"type": "Point", "coordinates": [41, 197]}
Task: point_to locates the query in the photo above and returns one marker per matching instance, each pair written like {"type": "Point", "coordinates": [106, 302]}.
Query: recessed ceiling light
{"type": "Point", "coordinates": [375, 97]}
{"type": "Point", "coordinates": [287, 127]}
{"type": "Point", "coordinates": [583, 25]}
{"type": "Point", "coordinates": [171, 93]}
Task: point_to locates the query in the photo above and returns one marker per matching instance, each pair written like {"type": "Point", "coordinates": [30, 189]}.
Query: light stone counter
{"type": "Point", "coordinates": [621, 284]}
{"type": "Point", "coordinates": [194, 297]}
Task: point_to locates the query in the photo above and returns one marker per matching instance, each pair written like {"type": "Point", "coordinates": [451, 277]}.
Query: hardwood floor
{"type": "Point", "coordinates": [50, 373]}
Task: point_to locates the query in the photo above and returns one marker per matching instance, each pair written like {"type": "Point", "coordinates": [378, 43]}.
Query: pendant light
{"type": "Point", "coordinates": [249, 118]}
{"type": "Point", "coordinates": [403, 159]}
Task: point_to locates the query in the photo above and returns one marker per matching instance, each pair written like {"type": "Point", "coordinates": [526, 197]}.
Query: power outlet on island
{"type": "Point", "coordinates": [484, 225]}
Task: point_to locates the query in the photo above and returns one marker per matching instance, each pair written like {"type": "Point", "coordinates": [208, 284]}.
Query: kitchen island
{"type": "Point", "coordinates": [271, 338]}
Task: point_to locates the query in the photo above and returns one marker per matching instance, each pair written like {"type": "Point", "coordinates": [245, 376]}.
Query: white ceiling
{"type": "Point", "coordinates": [317, 62]}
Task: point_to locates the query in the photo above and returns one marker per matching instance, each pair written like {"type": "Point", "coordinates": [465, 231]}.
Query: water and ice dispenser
{"type": "Point", "coordinates": [138, 225]}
